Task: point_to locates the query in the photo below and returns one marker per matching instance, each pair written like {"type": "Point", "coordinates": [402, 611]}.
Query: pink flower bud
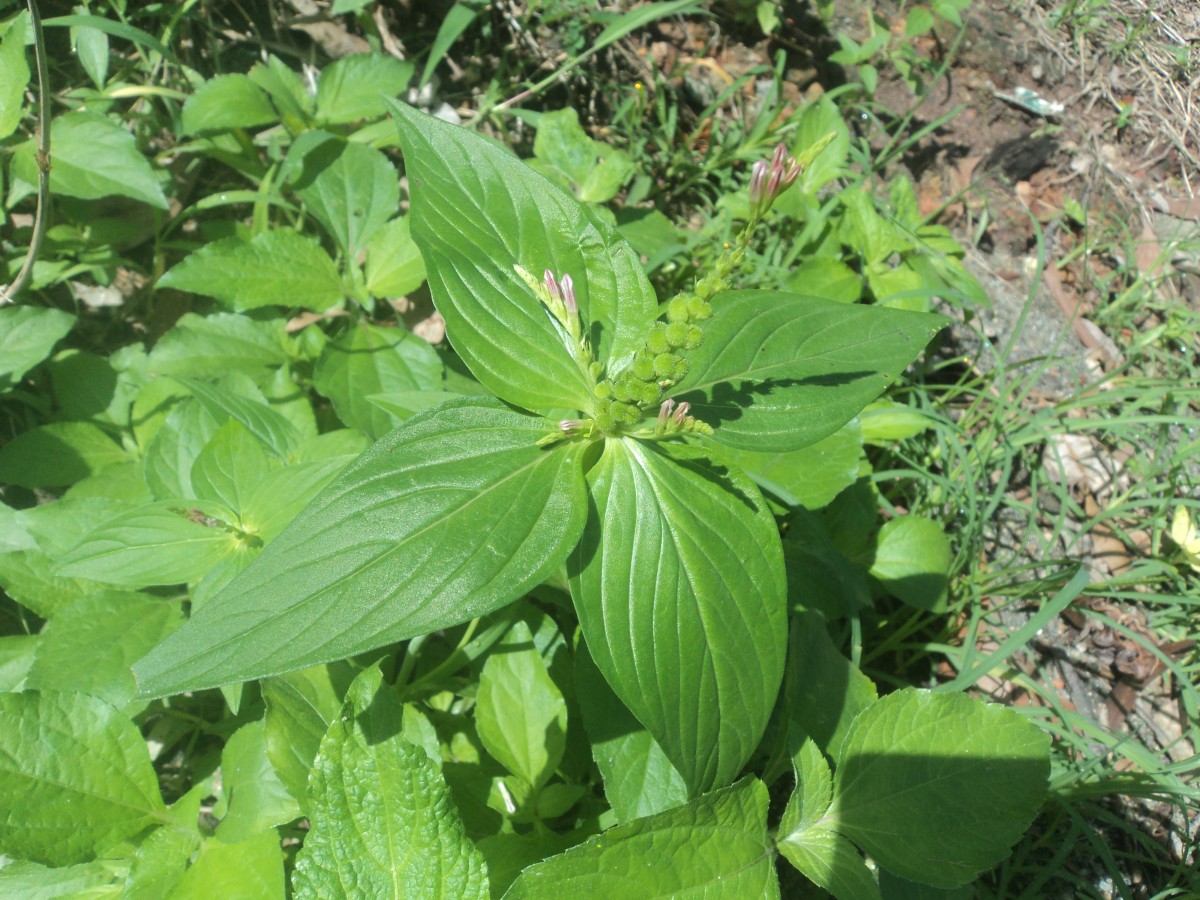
{"type": "Point", "coordinates": [568, 294]}
{"type": "Point", "coordinates": [664, 413]}
{"type": "Point", "coordinates": [681, 412]}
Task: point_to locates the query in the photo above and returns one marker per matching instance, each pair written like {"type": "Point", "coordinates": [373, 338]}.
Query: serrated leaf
{"type": "Point", "coordinates": [679, 586]}
{"type": "Point", "coordinates": [972, 773]}
{"type": "Point", "coordinates": [716, 847]}
{"type": "Point", "coordinates": [58, 454]}
{"type": "Point", "coordinates": [912, 560]}
{"type": "Point", "coordinates": [249, 870]}
{"type": "Point", "coordinates": [275, 268]}
{"type": "Point", "coordinates": [75, 778]}
{"type": "Point", "coordinates": [257, 798]}
{"type": "Point", "coordinates": [350, 188]}
{"type": "Point", "coordinates": [226, 102]}
{"type": "Point", "coordinates": [353, 87]}
{"type": "Point", "coordinates": [287, 91]}
{"type": "Point", "coordinates": [382, 818]}
{"type": "Point", "coordinates": [212, 345]}
{"type": "Point", "coordinates": [162, 543]}
{"type": "Point", "coordinates": [94, 157]}
{"type": "Point", "coordinates": [14, 76]}
{"type": "Point", "coordinates": [639, 780]}
{"type": "Point", "coordinates": [394, 264]}
{"type": "Point", "coordinates": [453, 514]}
{"type": "Point", "coordinates": [90, 645]}
{"type": "Point", "coordinates": [476, 213]}
{"type": "Point", "coordinates": [367, 360]}
{"type": "Point", "coordinates": [777, 372]}
{"type": "Point", "coordinates": [520, 713]}
{"type": "Point", "coordinates": [27, 336]}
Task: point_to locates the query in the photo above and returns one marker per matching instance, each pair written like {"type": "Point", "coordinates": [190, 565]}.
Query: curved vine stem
{"type": "Point", "coordinates": [9, 292]}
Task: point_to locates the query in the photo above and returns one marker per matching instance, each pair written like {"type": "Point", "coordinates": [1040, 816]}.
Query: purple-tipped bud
{"type": "Point", "coordinates": [568, 294]}
{"type": "Point", "coordinates": [758, 180]}
{"type": "Point", "coordinates": [569, 426]}
{"type": "Point", "coordinates": [664, 413]}
{"type": "Point", "coordinates": [551, 285]}
{"type": "Point", "coordinates": [681, 412]}
{"type": "Point", "coordinates": [778, 156]}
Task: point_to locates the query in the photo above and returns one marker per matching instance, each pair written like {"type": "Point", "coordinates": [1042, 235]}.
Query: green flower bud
{"type": "Point", "coordinates": [677, 335]}
{"type": "Point", "coordinates": [698, 309]}
{"type": "Point", "coordinates": [620, 391]}
{"type": "Point", "coordinates": [677, 310]}
{"type": "Point", "coordinates": [656, 341]}
{"type": "Point", "coordinates": [605, 422]}
{"type": "Point", "coordinates": [694, 337]}
{"type": "Point", "coordinates": [681, 369]}
{"type": "Point", "coordinates": [644, 368]}
{"type": "Point", "coordinates": [604, 390]}
{"type": "Point", "coordinates": [626, 413]}
{"type": "Point", "coordinates": [647, 393]}
{"type": "Point", "coordinates": [664, 364]}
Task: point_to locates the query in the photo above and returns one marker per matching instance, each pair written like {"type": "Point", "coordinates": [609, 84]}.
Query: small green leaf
{"type": "Point", "coordinates": [229, 467]}
{"type": "Point", "coordinates": [824, 692]}
{"type": "Point", "coordinates": [520, 713]}
{"type": "Point", "coordinates": [163, 543]}
{"type": "Point", "coordinates": [780, 371]}
{"type": "Point", "coordinates": [370, 359]}
{"type": "Point", "coordinates": [912, 560]}
{"type": "Point", "coordinates": [58, 454]}
{"type": "Point", "coordinates": [455, 513]}
{"type": "Point", "coordinates": [715, 847]}
{"type": "Point", "coordinates": [687, 621]}
{"type": "Point", "coordinates": [90, 645]}
{"type": "Point", "coordinates": [476, 214]}
{"type": "Point", "coordinates": [161, 860]}
{"type": "Point", "coordinates": [249, 870]}
{"type": "Point", "coordinates": [811, 476]}
{"type": "Point", "coordinates": [382, 819]}
{"type": "Point", "coordinates": [350, 188]}
{"type": "Point", "coordinates": [919, 21]}
{"type": "Point", "coordinates": [94, 157]}
{"type": "Point", "coordinates": [75, 778]}
{"type": "Point", "coordinates": [27, 336]}
{"type": "Point", "coordinates": [14, 76]}
{"type": "Point", "coordinates": [300, 707]}
{"type": "Point", "coordinates": [173, 449]}
{"type": "Point", "coordinates": [282, 493]}
{"type": "Point", "coordinates": [275, 268]}
{"type": "Point", "coordinates": [828, 278]}
{"type": "Point", "coordinates": [593, 171]}
{"type": "Point", "coordinates": [287, 91]}
{"type": "Point", "coordinates": [639, 780]}
{"type": "Point", "coordinates": [394, 264]}
{"type": "Point", "coordinates": [227, 102]}
{"type": "Point", "coordinates": [971, 773]}
{"type": "Point", "coordinates": [257, 798]}
{"type": "Point", "coordinates": [219, 343]}
{"type": "Point", "coordinates": [267, 426]}
{"type": "Point", "coordinates": [353, 87]}
{"type": "Point", "coordinates": [807, 839]}
{"type": "Point", "coordinates": [29, 881]}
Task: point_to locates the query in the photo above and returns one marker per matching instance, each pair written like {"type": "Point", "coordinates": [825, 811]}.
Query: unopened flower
{"type": "Point", "coordinates": [769, 180]}
{"type": "Point", "coordinates": [1185, 535]}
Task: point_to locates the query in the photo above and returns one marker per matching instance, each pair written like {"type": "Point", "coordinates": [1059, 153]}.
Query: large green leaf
{"type": "Point", "coordinates": [779, 371]}
{"type": "Point", "coordinates": [94, 157]}
{"type": "Point", "coordinates": [679, 586]}
{"type": "Point", "coordinates": [714, 847]}
{"type": "Point", "coordinates": [353, 87]}
{"type": "Point", "coordinates": [14, 76]}
{"type": "Point", "coordinates": [455, 513]}
{"type": "Point", "coordinates": [593, 171]}
{"type": "Point", "coordinates": [248, 870]}
{"type": "Point", "coordinates": [477, 212]}
{"type": "Point", "coordinates": [370, 359]}
{"type": "Point", "coordinates": [224, 402]}
{"type": "Point", "coordinates": [75, 778]}
{"type": "Point", "coordinates": [383, 823]}
{"type": "Point", "coordinates": [350, 188]}
{"type": "Point", "coordinates": [162, 543]}
{"type": "Point", "coordinates": [811, 476]}
{"type": "Point", "coordinates": [230, 467]}
{"type": "Point", "coordinates": [520, 713]}
{"type": "Point", "coordinates": [972, 774]}
{"type": "Point", "coordinates": [216, 344]}
{"type": "Point", "coordinates": [27, 336]}
{"type": "Point", "coordinates": [276, 268]}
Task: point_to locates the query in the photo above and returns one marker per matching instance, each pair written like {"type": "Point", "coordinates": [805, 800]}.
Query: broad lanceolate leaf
{"type": "Point", "coordinates": [353, 87]}
{"type": "Point", "coordinates": [455, 513]}
{"type": "Point", "coordinates": [93, 157]}
{"type": "Point", "coordinates": [162, 543]}
{"type": "Point", "coordinates": [75, 778]}
{"type": "Point", "coordinates": [383, 823]}
{"type": "Point", "coordinates": [938, 787]}
{"type": "Point", "coordinates": [369, 359]}
{"type": "Point", "coordinates": [912, 560]}
{"type": "Point", "coordinates": [58, 454]}
{"type": "Point", "coordinates": [223, 402]}
{"type": "Point", "coordinates": [679, 586]}
{"type": "Point", "coordinates": [213, 345]}
{"type": "Point", "coordinates": [781, 371]}
{"type": "Point", "coordinates": [300, 706]}
{"type": "Point", "coordinates": [714, 847]}
{"type": "Point", "coordinates": [226, 102]}
{"type": "Point", "coordinates": [477, 212]}
{"type": "Point", "coordinates": [394, 264]}
{"type": "Point", "coordinates": [350, 188]}
{"type": "Point", "coordinates": [275, 268]}
{"type": "Point", "coordinates": [520, 713]}
{"type": "Point", "coordinates": [27, 336]}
